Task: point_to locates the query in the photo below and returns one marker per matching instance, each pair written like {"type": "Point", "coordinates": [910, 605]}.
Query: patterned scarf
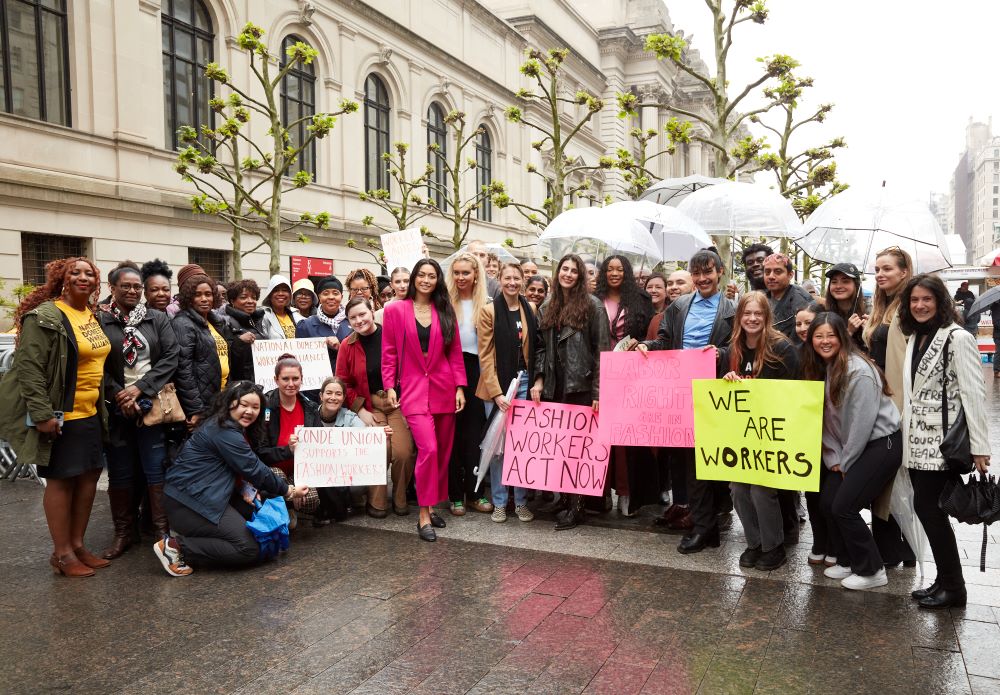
{"type": "Point", "coordinates": [132, 342]}
{"type": "Point", "coordinates": [334, 322]}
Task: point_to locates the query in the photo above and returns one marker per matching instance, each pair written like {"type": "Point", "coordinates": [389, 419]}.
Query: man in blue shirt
{"type": "Point", "coordinates": [691, 322]}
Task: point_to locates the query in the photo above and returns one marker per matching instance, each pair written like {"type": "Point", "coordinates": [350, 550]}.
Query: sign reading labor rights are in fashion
{"type": "Point", "coordinates": [646, 399]}
{"type": "Point", "coordinates": [551, 446]}
{"type": "Point", "coordinates": [310, 352]}
{"type": "Point", "coordinates": [340, 456]}
{"type": "Point", "coordinates": [759, 431]}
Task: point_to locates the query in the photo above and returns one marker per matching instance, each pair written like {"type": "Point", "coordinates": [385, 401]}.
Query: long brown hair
{"type": "Point", "coordinates": [884, 307]}
{"type": "Point", "coordinates": [770, 337]}
{"type": "Point", "coordinates": [816, 369]}
{"type": "Point", "coordinates": [55, 277]}
{"type": "Point", "coordinates": [574, 309]}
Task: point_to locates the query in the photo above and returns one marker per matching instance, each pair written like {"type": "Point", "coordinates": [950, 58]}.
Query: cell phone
{"type": "Point", "coordinates": [59, 415]}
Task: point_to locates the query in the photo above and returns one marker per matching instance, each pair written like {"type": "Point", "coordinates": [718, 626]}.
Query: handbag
{"type": "Point", "coordinates": [166, 408]}
{"type": "Point", "coordinates": [976, 501]}
{"type": "Point", "coordinates": [269, 527]}
{"type": "Point", "coordinates": [955, 446]}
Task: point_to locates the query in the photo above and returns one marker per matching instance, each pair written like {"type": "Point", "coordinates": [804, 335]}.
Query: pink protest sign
{"type": "Point", "coordinates": [554, 447]}
{"type": "Point", "coordinates": [646, 401]}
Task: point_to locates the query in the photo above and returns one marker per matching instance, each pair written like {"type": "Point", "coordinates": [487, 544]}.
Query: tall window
{"type": "Point", "coordinates": [376, 133]}
{"type": "Point", "coordinates": [34, 59]}
{"type": "Point", "coordinates": [298, 100]}
{"type": "Point", "coordinates": [213, 261]}
{"type": "Point", "coordinates": [484, 173]}
{"type": "Point", "coordinates": [187, 48]}
{"type": "Point", "coordinates": [437, 133]}
{"type": "Point", "coordinates": [37, 250]}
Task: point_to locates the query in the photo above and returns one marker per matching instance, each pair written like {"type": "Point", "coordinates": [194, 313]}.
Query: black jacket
{"type": "Point", "coordinates": [579, 354]}
{"type": "Point", "coordinates": [241, 353]}
{"type": "Point", "coordinates": [792, 302]}
{"type": "Point", "coordinates": [670, 335]}
{"type": "Point", "coordinates": [163, 353]}
{"type": "Point", "coordinates": [267, 446]}
{"type": "Point", "coordinates": [198, 377]}
{"type": "Point", "coordinates": [636, 322]}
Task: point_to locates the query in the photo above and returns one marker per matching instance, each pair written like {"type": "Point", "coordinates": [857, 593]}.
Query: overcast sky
{"type": "Point", "coordinates": [904, 75]}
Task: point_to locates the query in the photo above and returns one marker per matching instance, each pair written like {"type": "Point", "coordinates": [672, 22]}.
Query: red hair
{"type": "Point", "coordinates": [55, 277]}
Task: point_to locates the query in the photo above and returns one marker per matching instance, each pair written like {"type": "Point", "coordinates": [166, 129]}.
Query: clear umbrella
{"type": "Point", "coordinates": [672, 191]}
{"type": "Point", "coordinates": [598, 231]}
{"type": "Point", "coordinates": [677, 236]}
{"type": "Point", "coordinates": [492, 445]}
{"type": "Point", "coordinates": [742, 209]}
{"type": "Point", "coordinates": [901, 508]}
{"type": "Point", "coordinates": [853, 225]}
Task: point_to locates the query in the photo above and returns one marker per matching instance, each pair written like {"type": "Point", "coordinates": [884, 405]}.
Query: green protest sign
{"type": "Point", "coordinates": [759, 431]}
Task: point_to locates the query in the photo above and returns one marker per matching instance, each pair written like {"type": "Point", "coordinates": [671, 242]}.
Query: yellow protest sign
{"type": "Point", "coordinates": [759, 431]}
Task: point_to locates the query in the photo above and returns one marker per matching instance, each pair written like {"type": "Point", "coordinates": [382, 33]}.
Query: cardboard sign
{"type": "Point", "coordinates": [304, 267]}
{"type": "Point", "coordinates": [340, 456]}
{"type": "Point", "coordinates": [554, 447]}
{"type": "Point", "coordinates": [759, 431]}
{"type": "Point", "coordinates": [402, 249]}
{"type": "Point", "coordinates": [646, 401]}
{"type": "Point", "coordinates": [310, 352]}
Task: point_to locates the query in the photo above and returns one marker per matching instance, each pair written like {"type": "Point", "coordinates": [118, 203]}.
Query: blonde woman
{"type": "Point", "coordinates": [467, 291]}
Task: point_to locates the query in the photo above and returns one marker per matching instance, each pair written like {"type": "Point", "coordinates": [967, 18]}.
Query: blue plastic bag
{"type": "Point", "coordinates": [270, 527]}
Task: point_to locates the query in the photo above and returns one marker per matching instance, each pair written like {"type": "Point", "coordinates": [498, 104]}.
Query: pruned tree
{"type": "Point", "coordinates": [411, 207]}
{"type": "Point", "coordinates": [543, 113]}
{"type": "Point", "coordinates": [635, 167]}
{"type": "Point", "coordinates": [241, 179]}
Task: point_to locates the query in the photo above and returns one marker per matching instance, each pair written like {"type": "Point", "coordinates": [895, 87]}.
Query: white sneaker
{"type": "Point", "coordinates": [837, 572]}
{"type": "Point", "coordinates": [499, 514]}
{"type": "Point", "coordinates": [859, 583]}
{"type": "Point", "coordinates": [523, 513]}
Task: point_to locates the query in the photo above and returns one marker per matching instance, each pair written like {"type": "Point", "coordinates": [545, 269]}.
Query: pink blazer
{"type": "Point", "coordinates": [428, 383]}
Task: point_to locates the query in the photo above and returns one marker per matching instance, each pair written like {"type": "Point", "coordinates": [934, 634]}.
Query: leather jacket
{"type": "Point", "coordinates": [578, 351]}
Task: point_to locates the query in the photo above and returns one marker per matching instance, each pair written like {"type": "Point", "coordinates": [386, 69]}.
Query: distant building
{"type": "Point", "coordinates": [974, 195]}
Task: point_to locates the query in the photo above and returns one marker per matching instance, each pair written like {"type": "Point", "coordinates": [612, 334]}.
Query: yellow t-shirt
{"type": "Point", "coordinates": [287, 325]}
{"type": "Point", "coordinates": [223, 349]}
{"type": "Point", "coordinates": [92, 348]}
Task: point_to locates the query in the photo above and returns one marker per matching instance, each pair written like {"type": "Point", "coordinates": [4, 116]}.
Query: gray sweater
{"type": "Point", "coordinates": [864, 414]}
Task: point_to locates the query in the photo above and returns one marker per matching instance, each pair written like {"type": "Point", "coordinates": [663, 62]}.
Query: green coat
{"type": "Point", "coordinates": [36, 383]}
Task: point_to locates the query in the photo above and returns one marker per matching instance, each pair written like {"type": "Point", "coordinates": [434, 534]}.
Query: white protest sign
{"type": "Point", "coordinates": [310, 352]}
{"type": "Point", "coordinates": [402, 249]}
{"type": "Point", "coordinates": [340, 456]}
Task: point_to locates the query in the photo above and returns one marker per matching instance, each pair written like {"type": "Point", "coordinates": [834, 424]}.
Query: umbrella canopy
{"type": "Point", "coordinates": [672, 191]}
{"type": "Point", "coordinates": [991, 259]}
{"type": "Point", "coordinates": [499, 250]}
{"type": "Point", "coordinates": [493, 440]}
{"type": "Point", "coordinates": [598, 231]}
{"type": "Point", "coordinates": [742, 209]}
{"type": "Point", "coordinates": [677, 236]}
{"type": "Point", "coordinates": [857, 223]}
{"type": "Point", "coordinates": [956, 249]}
{"type": "Point", "coordinates": [984, 301]}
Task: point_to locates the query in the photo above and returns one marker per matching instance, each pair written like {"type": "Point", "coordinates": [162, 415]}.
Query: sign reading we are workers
{"type": "Point", "coordinates": [759, 431]}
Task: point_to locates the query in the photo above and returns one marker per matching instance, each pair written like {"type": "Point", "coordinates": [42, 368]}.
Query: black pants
{"type": "Point", "coordinates": [470, 425]}
{"type": "Point", "coordinates": [843, 498]}
{"type": "Point", "coordinates": [707, 498]}
{"type": "Point", "coordinates": [678, 474]}
{"type": "Point", "coordinates": [817, 519]}
{"type": "Point", "coordinates": [889, 538]}
{"type": "Point", "coordinates": [204, 544]}
{"type": "Point", "coordinates": [927, 486]}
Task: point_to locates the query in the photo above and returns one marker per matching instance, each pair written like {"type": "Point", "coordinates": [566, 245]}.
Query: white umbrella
{"type": "Point", "coordinates": [677, 236]}
{"type": "Point", "coordinates": [499, 250]}
{"type": "Point", "coordinates": [742, 209]}
{"type": "Point", "coordinates": [990, 259]}
{"type": "Point", "coordinates": [857, 223]}
{"type": "Point", "coordinates": [606, 228]}
{"type": "Point", "coordinates": [672, 191]}
{"type": "Point", "coordinates": [956, 248]}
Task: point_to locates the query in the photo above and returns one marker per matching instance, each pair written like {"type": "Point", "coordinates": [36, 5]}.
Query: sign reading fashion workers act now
{"type": "Point", "coordinates": [759, 431]}
{"type": "Point", "coordinates": [310, 352]}
{"type": "Point", "coordinates": [340, 456]}
{"type": "Point", "coordinates": [554, 447]}
{"type": "Point", "coordinates": [646, 399]}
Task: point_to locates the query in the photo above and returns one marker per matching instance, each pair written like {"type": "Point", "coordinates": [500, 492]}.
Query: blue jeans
{"type": "Point", "coordinates": [130, 441]}
{"type": "Point", "coordinates": [498, 490]}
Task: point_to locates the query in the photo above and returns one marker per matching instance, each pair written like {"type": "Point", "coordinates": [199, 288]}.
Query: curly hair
{"type": "Point", "coordinates": [570, 307]}
{"type": "Point", "coordinates": [369, 277]}
{"type": "Point", "coordinates": [185, 295]}
{"type": "Point", "coordinates": [634, 302]}
{"type": "Point", "coordinates": [235, 288]}
{"type": "Point", "coordinates": [55, 276]}
{"type": "Point", "coordinates": [153, 268]}
{"type": "Point", "coordinates": [945, 313]}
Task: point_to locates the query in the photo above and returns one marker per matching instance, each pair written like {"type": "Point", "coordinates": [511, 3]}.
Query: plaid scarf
{"type": "Point", "coordinates": [132, 342]}
{"type": "Point", "coordinates": [332, 321]}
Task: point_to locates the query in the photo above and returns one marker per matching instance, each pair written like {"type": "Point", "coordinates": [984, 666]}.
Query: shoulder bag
{"type": "Point", "coordinates": [166, 408]}
{"type": "Point", "coordinates": [955, 446]}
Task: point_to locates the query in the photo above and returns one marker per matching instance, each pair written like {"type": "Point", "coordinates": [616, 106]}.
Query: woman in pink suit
{"type": "Point", "coordinates": [421, 353]}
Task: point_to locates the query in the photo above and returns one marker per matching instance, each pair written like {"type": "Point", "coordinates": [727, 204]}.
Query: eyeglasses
{"type": "Point", "coordinates": [360, 290]}
{"type": "Point", "coordinates": [130, 288]}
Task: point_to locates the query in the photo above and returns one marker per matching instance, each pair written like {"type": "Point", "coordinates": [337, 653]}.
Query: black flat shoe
{"type": "Point", "coordinates": [437, 521]}
{"type": "Point", "coordinates": [426, 532]}
{"type": "Point", "coordinates": [942, 598]}
{"type": "Point", "coordinates": [924, 593]}
{"type": "Point", "coordinates": [749, 557]}
{"type": "Point", "coordinates": [401, 511]}
{"type": "Point", "coordinates": [375, 513]}
{"type": "Point", "coordinates": [696, 542]}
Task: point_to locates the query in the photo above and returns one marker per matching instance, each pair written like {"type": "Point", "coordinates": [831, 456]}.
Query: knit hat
{"type": "Point", "coordinates": [329, 283]}
{"type": "Point", "coordinates": [383, 282]}
{"type": "Point", "coordinates": [187, 271]}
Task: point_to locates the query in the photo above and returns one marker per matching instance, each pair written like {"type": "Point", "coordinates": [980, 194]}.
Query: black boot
{"type": "Point", "coordinates": [572, 516]}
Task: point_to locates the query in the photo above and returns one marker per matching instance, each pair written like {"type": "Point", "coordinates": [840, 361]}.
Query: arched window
{"type": "Point", "coordinates": [437, 133]}
{"type": "Point", "coordinates": [187, 48]}
{"type": "Point", "coordinates": [376, 133]}
{"type": "Point", "coordinates": [298, 100]}
{"type": "Point", "coordinates": [484, 173]}
{"type": "Point", "coordinates": [34, 59]}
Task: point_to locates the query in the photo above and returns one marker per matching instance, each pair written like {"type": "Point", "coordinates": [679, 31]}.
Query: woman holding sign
{"type": "Point", "coordinates": [422, 357]}
{"type": "Point", "coordinates": [758, 351]}
{"type": "Point", "coordinates": [574, 332]}
{"type": "Point", "coordinates": [862, 447]}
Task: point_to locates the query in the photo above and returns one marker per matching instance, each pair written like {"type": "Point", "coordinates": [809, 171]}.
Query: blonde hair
{"type": "Point", "coordinates": [884, 307]}
{"type": "Point", "coordinates": [479, 296]}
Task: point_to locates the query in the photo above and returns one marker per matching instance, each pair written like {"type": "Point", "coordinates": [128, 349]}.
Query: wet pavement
{"type": "Point", "coordinates": [365, 607]}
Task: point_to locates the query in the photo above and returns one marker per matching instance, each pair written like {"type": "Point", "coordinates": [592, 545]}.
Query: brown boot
{"type": "Point", "coordinates": [156, 512]}
{"type": "Point", "coordinates": [69, 566]}
{"type": "Point", "coordinates": [121, 516]}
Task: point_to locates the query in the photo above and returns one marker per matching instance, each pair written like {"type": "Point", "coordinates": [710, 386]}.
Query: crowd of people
{"type": "Point", "coordinates": [429, 353]}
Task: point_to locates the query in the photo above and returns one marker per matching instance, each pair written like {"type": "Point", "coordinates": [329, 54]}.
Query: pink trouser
{"type": "Point", "coordinates": [433, 436]}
